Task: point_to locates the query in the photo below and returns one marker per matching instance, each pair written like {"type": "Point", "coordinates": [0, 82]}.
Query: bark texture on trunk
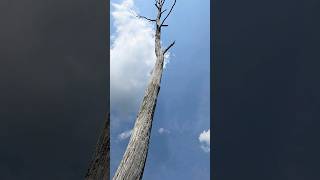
{"type": "Point", "coordinates": [133, 162]}
{"type": "Point", "coordinates": [99, 166]}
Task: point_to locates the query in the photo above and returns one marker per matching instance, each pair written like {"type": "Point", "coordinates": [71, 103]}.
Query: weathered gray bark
{"type": "Point", "coordinates": [99, 166]}
{"type": "Point", "coordinates": [133, 162]}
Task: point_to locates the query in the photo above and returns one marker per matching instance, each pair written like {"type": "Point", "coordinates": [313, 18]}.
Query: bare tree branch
{"type": "Point", "coordinates": [143, 17]}
{"type": "Point", "coordinates": [157, 6]}
{"type": "Point", "coordinates": [164, 25]}
{"type": "Point", "coordinates": [169, 11]}
{"type": "Point", "coordinates": [163, 12]}
{"type": "Point", "coordinates": [169, 47]}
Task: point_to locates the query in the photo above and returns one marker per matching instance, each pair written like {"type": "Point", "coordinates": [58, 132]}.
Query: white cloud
{"type": "Point", "coordinates": [204, 139]}
{"type": "Point", "coordinates": [132, 58]}
{"type": "Point", "coordinates": [163, 131]}
{"type": "Point", "coordinates": [124, 135]}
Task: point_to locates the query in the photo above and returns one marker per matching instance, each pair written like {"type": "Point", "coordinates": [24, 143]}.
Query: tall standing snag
{"type": "Point", "coordinates": [132, 164]}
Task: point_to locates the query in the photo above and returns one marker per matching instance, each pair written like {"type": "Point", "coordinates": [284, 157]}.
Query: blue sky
{"type": "Point", "coordinates": [183, 107]}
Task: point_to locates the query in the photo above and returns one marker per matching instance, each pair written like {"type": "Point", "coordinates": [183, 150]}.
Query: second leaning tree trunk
{"type": "Point", "coordinates": [132, 164]}
{"type": "Point", "coordinates": [99, 166]}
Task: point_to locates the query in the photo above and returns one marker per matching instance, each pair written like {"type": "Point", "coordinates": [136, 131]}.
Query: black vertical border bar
{"type": "Point", "coordinates": [212, 87]}
{"type": "Point", "coordinates": [107, 46]}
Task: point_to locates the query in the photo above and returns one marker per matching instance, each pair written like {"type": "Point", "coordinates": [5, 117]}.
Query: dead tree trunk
{"type": "Point", "coordinates": [99, 166]}
{"type": "Point", "coordinates": [133, 162]}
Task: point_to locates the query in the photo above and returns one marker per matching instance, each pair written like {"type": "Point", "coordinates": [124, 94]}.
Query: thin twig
{"type": "Point", "coordinates": [163, 11]}
{"type": "Point", "coordinates": [143, 17]}
{"type": "Point", "coordinates": [157, 6]}
{"type": "Point", "coordinates": [169, 11]}
{"type": "Point", "coordinates": [169, 47]}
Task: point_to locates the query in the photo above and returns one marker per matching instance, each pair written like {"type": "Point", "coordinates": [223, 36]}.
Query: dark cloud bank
{"type": "Point", "coordinates": [53, 92]}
